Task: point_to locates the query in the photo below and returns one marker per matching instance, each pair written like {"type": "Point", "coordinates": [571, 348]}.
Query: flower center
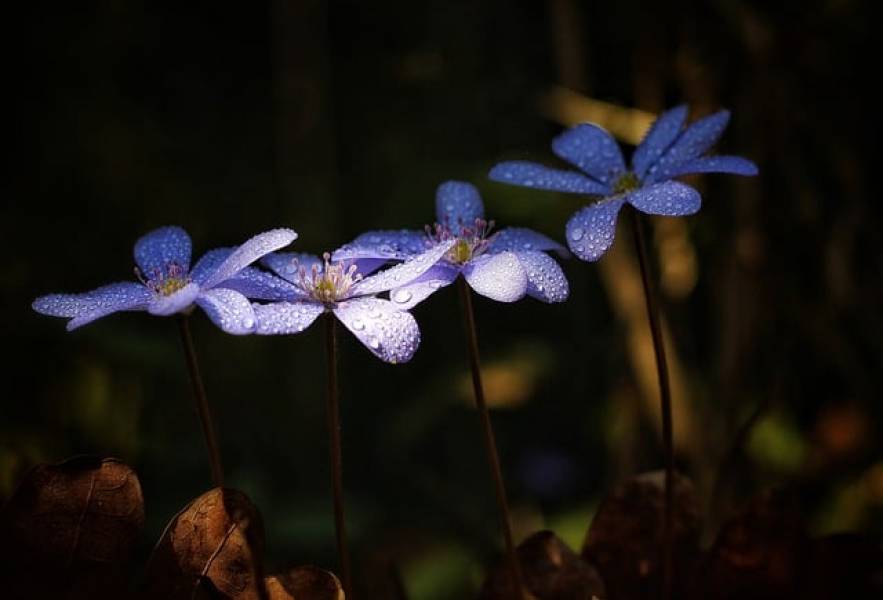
{"type": "Point", "coordinates": [328, 284]}
{"type": "Point", "coordinates": [627, 182]}
{"type": "Point", "coordinates": [471, 241]}
{"type": "Point", "coordinates": [165, 283]}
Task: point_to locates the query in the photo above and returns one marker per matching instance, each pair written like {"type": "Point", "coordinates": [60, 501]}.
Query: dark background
{"type": "Point", "coordinates": [335, 118]}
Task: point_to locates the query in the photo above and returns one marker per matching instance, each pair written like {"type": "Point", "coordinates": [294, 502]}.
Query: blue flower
{"type": "Point", "coordinates": [503, 266]}
{"type": "Point", "coordinates": [218, 283]}
{"type": "Point", "coordinates": [321, 285]}
{"type": "Point", "coordinates": [667, 151]}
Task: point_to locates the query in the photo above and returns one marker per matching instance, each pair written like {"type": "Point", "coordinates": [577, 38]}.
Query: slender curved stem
{"type": "Point", "coordinates": [202, 406]}
{"type": "Point", "coordinates": [665, 400]}
{"type": "Point", "coordinates": [490, 443]}
{"type": "Point", "coordinates": [335, 454]}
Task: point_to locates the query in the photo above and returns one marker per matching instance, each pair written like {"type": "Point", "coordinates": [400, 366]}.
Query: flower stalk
{"type": "Point", "coordinates": [202, 405]}
{"type": "Point", "coordinates": [665, 400]}
{"type": "Point", "coordinates": [490, 443]}
{"type": "Point", "coordinates": [335, 454]}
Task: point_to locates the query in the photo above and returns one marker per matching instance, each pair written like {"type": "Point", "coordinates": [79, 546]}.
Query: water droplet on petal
{"type": "Point", "coordinates": [402, 296]}
{"type": "Point", "coordinates": [577, 234]}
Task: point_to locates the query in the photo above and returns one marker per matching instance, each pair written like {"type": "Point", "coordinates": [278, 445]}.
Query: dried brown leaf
{"type": "Point", "coordinates": [304, 583]}
{"type": "Point", "coordinates": [211, 549]}
{"type": "Point", "coordinates": [552, 571]}
{"type": "Point", "coordinates": [70, 529]}
{"type": "Point", "coordinates": [625, 537]}
{"type": "Point", "coordinates": [758, 553]}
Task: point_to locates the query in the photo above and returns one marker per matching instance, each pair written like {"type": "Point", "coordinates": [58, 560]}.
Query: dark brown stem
{"type": "Point", "coordinates": [665, 399]}
{"type": "Point", "coordinates": [335, 454]}
{"type": "Point", "coordinates": [490, 444]}
{"type": "Point", "coordinates": [202, 406]}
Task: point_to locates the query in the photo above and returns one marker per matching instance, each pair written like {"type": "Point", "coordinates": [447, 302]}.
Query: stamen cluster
{"type": "Point", "coordinates": [330, 283]}
{"type": "Point", "coordinates": [165, 283]}
{"type": "Point", "coordinates": [471, 241]}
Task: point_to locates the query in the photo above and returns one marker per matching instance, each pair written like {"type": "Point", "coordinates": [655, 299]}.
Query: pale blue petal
{"type": "Point", "coordinates": [389, 333]}
{"type": "Point", "coordinates": [735, 165]}
{"type": "Point", "coordinates": [87, 307]}
{"type": "Point", "coordinates": [209, 263]}
{"type": "Point", "coordinates": [157, 249]}
{"type": "Point", "coordinates": [229, 310]}
{"type": "Point", "coordinates": [285, 318]}
{"type": "Point", "coordinates": [669, 198]}
{"type": "Point", "coordinates": [247, 253]}
{"type": "Point", "coordinates": [406, 272]}
{"type": "Point", "coordinates": [366, 266]}
{"type": "Point", "coordinates": [692, 143]}
{"type": "Point", "coordinates": [398, 244]}
{"type": "Point", "coordinates": [592, 149]}
{"type": "Point", "coordinates": [520, 238]}
{"type": "Point", "coordinates": [659, 137]}
{"type": "Point", "coordinates": [545, 279]}
{"type": "Point", "coordinates": [163, 306]}
{"type": "Point", "coordinates": [258, 285]}
{"type": "Point", "coordinates": [458, 203]}
{"type": "Point", "coordinates": [440, 275]}
{"type": "Point", "coordinates": [536, 176]}
{"type": "Point", "coordinates": [498, 276]}
{"type": "Point", "coordinates": [590, 231]}
{"type": "Point", "coordinates": [287, 264]}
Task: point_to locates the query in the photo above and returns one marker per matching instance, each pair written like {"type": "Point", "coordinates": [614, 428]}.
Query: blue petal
{"type": "Point", "coordinates": [410, 295]}
{"type": "Point", "coordinates": [536, 176]}
{"type": "Point", "coordinates": [285, 318]}
{"type": "Point", "coordinates": [458, 203]}
{"type": "Point", "coordinates": [247, 253]}
{"type": "Point", "coordinates": [545, 279]}
{"type": "Point", "coordinates": [209, 263]}
{"type": "Point", "coordinates": [366, 266]}
{"type": "Point", "coordinates": [497, 276]}
{"type": "Point", "coordinates": [389, 333]}
{"type": "Point", "coordinates": [520, 238]}
{"type": "Point", "coordinates": [229, 310]}
{"type": "Point", "coordinates": [157, 249]}
{"type": "Point", "coordinates": [85, 308]}
{"type": "Point", "coordinates": [287, 264]}
{"type": "Point", "coordinates": [386, 245]}
{"type": "Point", "coordinates": [163, 306]}
{"type": "Point", "coordinates": [406, 272]}
{"type": "Point", "coordinates": [669, 198]}
{"type": "Point", "coordinates": [692, 143]}
{"type": "Point", "coordinates": [735, 165]}
{"type": "Point", "coordinates": [659, 137]}
{"type": "Point", "coordinates": [258, 285]}
{"type": "Point", "coordinates": [592, 149]}
{"type": "Point", "coordinates": [590, 231]}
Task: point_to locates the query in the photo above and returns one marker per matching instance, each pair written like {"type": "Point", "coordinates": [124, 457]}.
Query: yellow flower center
{"type": "Point", "coordinates": [169, 286]}
{"type": "Point", "coordinates": [461, 252]}
{"type": "Point", "coordinates": [627, 182]}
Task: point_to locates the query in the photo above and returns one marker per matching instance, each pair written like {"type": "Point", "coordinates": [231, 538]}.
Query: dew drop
{"type": "Point", "coordinates": [402, 296]}
{"type": "Point", "coordinates": [577, 234]}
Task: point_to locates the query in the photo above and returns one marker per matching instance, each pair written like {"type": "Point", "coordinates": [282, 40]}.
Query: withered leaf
{"type": "Point", "coordinates": [552, 571]}
{"type": "Point", "coordinates": [304, 583]}
{"type": "Point", "coordinates": [211, 549]}
{"type": "Point", "coordinates": [625, 539]}
{"type": "Point", "coordinates": [758, 553]}
{"type": "Point", "coordinates": [69, 530]}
